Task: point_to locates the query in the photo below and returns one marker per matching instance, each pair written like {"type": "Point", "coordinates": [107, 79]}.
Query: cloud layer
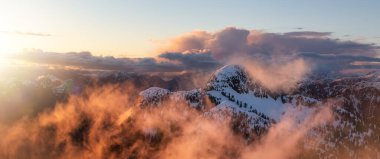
{"type": "Point", "coordinates": [168, 62]}
{"type": "Point", "coordinates": [205, 51]}
{"type": "Point", "coordinates": [233, 41]}
{"type": "Point", "coordinates": [26, 33]}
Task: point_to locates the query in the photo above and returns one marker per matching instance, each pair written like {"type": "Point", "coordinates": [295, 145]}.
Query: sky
{"type": "Point", "coordinates": [126, 28]}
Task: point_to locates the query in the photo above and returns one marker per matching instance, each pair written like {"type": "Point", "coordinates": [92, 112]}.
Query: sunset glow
{"type": "Point", "coordinates": [8, 45]}
{"type": "Point", "coordinates": [173, 79]}
{"type": "Point", "coordinates": [126, 28]}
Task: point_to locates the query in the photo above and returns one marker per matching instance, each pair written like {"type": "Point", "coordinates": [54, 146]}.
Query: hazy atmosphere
{"type": "Point", "coordinates": [190, 79]}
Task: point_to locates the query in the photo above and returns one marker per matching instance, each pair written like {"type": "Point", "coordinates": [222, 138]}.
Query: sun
{"type": "Point", "coordinates": [8, 45]}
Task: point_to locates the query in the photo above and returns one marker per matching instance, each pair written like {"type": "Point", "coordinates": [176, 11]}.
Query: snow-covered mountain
{"type": "Point", "coordinates": [254, 109]}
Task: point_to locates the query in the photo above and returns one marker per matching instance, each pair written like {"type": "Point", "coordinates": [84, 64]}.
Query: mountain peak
{"type": "Point", "coordinates": [233, 76]}
{"type": "Point", "coordinates": [229, 71]}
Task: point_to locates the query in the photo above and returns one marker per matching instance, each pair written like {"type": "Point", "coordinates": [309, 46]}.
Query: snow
{"type": "Point", "coordinates": [262, 110]}
{"type": "Point", "coordinates": [187, 96]}
{"type": "Point", "coordinates": [268, 106]}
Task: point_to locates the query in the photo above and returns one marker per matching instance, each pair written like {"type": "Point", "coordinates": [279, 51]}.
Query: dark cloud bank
{"type": "Point", "coordinates": [204, 51]}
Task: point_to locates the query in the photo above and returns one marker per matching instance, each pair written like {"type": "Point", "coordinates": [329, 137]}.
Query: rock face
{"type": "Point", "coordinates": [355, 122]}
{"type": "Point", "coordinates": [253, 109]}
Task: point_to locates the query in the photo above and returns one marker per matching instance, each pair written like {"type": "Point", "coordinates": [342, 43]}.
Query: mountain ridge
{"type": "Point", "coordinates": [231, 89]}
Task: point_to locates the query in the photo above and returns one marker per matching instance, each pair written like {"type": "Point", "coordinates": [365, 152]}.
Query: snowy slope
{"type": "Point", "coordinates": [253, 109]}
{"type": "Point", "coordinates": [232, 83]}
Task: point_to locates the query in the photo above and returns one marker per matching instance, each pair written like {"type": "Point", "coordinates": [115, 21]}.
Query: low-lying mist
{"type": "Point", "coordinates": [107, 122]}
{"type": "Point", "coordinates": [276, 75]}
